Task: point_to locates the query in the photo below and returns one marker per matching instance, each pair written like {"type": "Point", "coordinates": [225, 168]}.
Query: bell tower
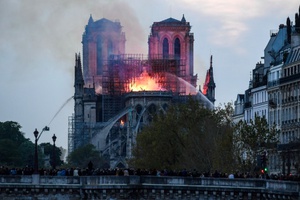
{"type": "Point", "coordinates": [172, 39]}
{"type": "Point", "coordinates": [101, 39]}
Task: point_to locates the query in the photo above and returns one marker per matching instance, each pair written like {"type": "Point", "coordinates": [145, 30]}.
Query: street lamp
{"type": "Point", "coordinates": [36, 133]}
{"type": "Point", "coordinates": [53, 159]}
{"type": "Point", "coordinates": [37, 136]}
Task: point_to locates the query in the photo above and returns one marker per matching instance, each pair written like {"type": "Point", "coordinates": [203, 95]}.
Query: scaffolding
{"type": "Point", "coordinates": [71, 132]}
{"type": "Point", "coordinates": [167, 70]}
{"type": "Point", "coordinates": [118, 74]}
{"type": "Point", "coordinates": [78, 133]}
{"type": "Point", "coordinates": [122, 70]}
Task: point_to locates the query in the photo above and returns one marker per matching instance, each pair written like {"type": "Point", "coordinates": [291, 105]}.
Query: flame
{"type": "Point", "coordinates": [122, 123]}
{"type": "Point", "coordinates": [144, 83]}
{"type": "Point", "coordinates": [205, 87]}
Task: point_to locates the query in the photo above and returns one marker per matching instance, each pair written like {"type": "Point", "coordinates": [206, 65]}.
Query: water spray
{"type": "Point", "coordinates": [199, 95]}
{"type": "Point", "coordinates": [69, 99]}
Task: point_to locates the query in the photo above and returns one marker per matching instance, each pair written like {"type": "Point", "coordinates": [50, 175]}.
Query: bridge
{"type": "Point", "coordinates": [143, 187]}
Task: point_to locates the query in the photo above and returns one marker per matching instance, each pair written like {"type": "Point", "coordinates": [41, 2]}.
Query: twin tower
{"type": "Point", "coordinates": [114, 90]}
{"type": "Point", "coordinates": [169, 39]}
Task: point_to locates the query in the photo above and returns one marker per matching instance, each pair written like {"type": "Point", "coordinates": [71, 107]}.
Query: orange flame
{"type": "Point", "coordinates": [122, 123]}
{"type": "Point", "coordinates": [205, 87]}
{"type": "Point", "coordinates": [144, 83]}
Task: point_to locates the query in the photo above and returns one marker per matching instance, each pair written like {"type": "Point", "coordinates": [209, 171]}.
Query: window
{"type": "Point", "coordinates": [177, 48]}
{"type": "Point", "coordinates": [165, 48]}
{"type": "Point", "coordinates": [285, 72]}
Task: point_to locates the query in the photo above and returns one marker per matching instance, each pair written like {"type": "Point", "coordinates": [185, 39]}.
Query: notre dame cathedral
{"type": "Point", "coordinates": [117, 94]}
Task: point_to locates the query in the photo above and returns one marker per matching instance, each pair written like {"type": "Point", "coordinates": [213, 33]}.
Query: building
{"type": "Point", "coordinates": [274, 94]}
{"type": "Point", "coordinates": [289, 147]}
{"type": "Point", "coordinates": [117, 94]}
{"type": "Point", "coordinates": [238, 108]}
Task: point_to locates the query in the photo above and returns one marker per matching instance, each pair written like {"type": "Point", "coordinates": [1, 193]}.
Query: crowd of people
{"type": "Point", "coordinates": [90, 171]}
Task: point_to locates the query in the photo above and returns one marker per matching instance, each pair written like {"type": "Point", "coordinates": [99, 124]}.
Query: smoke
{"type": "Point", "coordinates": [37, 45]}
{"type": "Point", "coordinates": [34, 32]}
{"type": "Point", "coordinates": [200, 66]}
{"type": "Point", "coordinates": [136, 38]}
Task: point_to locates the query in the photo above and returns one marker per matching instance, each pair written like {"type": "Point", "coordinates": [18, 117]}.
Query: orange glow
{"type": "Point", "coordinates": [144, 83]}
{"type": "Point", "coordinates": [122, 123]}
{"type": "Point", "coordinates": [205, 87]}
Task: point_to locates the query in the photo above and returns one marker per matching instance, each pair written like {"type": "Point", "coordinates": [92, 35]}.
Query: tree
{"type": "Point", "coordinates": [48, 151]}
{"type": "Point", "coordinates": [210, 139]}
{"type": "Point", "coordinates": [9, 155]}
{"type": "Point", "coordinates": [81, 156]}
{"type": "Point", "coordinates": [15, 149]}
{"type": "Point", "coordinates": [11, 130]}
{"type": "Point", "coordinates": [187, 136]}
{"type": "Point", "coordinates": [253, 139]}
{"type": "Point", "coordinates": [10, 138]}
{"type": "Point", "coordinates": [160, 145]}
{"type": "Point", "coordinates": [27, 150]}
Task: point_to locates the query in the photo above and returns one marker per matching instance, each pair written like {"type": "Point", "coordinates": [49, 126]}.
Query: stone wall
{"type": "Point", "coordinates": [142, 187]}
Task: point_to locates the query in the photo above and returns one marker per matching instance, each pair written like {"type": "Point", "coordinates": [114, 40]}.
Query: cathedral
{"type": "Point", "coordinates": [117, 94]}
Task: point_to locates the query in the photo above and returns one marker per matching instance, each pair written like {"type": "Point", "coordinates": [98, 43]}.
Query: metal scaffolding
{"type": "Point", "coordinates": [71, 131]}
{"type": "Point", "coordinates": [121, 70]}
{"type": "Point", "coordinates": [118, 74]}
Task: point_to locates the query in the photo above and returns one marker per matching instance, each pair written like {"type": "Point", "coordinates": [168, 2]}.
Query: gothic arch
{"type": "Point", "coordinates": [138, 109]}
{"type": "Point", "coordinates": [98, 140]}
{"type": "Point", "coordinates": [152, 109]}
{"type": "Point", "coordinates": [177, 48]}
{"type": "Point", "coordinates": [161, 42]}
{"type": "Point", "coordinates": [165, 48]}
{"type": "Point", "coordinates": [177, 36]}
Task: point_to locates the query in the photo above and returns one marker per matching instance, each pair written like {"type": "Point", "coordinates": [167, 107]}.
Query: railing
{"type": "Point", "coordinates": [144, 187]}
{"type": "Point", "coordinates": [289, 78]}
{"type": "Point", "coordinates": [153, 180]}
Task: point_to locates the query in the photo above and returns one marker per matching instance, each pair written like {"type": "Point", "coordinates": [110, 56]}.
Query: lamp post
{"type": "Point", "coordinates": [53, 159]}
{"type": "Point", "coordinates": [36, 133]}
{"type": "Point", "coordinates": [37, 137]}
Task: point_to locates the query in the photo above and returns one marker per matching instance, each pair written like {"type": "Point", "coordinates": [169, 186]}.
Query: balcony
{"type": "Point", "coordinates": [289, 78]}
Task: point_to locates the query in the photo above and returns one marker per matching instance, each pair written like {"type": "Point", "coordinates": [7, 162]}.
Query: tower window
{"type": "Point", "coordinates": [177, 48]}
{"type": "Point", "coordinates": [165, 48]}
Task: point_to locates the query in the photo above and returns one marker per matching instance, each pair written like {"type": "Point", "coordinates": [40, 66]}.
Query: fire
{"type": "Point", "coordinates": [205, 87]}
{"type": "Point", "coordinates": [144, 83]}
{"type": "Point", "coordinates": [122, 123]}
